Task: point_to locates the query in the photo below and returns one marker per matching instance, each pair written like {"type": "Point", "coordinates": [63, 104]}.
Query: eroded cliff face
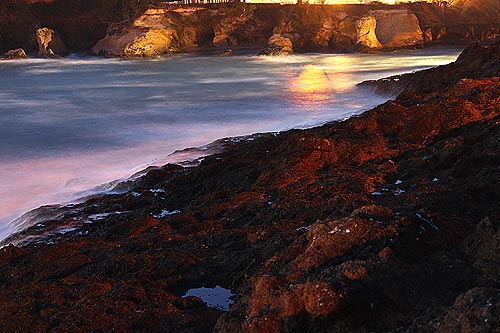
{"type": "Point", "coordinates": [135, 32]}
{"type": "Point", "coordinates": [396, 28]}
{"type": "Point", "coordinates": [17, 25]}
{"type": "Point", "coordinates": [309, 28]}
{"type": "Point", "coordinates": [169, 30]}
{"type": "Point", "coordinates": [158, 32]}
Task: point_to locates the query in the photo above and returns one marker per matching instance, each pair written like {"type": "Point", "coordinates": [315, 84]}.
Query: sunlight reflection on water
{"type": "Point", "coordinates": [67, 125]}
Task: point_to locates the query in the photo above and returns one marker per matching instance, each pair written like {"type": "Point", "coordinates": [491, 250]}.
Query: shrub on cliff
{"type": "Point", "coordinates": [486, 11]}
{"type": "Point", "coordinates": [112, 9]}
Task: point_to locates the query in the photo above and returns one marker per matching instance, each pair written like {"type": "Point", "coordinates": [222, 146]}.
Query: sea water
{"type": "Point", "coordinates": [68, 125]}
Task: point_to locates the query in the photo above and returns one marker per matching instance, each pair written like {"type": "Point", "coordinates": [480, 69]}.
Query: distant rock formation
{"type": "Point", "coordinates": [278, 46]}
{"type": "Point", "coordinates": [397, 28]}
{"type": "Point", "coordinates": [367, 37]}
{"type": "Point", "coordinates": [389, 29]}
{"type": "Point", "coordinates": [49, 43]}
{"type": "Point", "coordinates": [15, 54]}
{"type": "Point", "coordinates": [148, 43]}
{"type": "Point", "coordinates": [169, 29]}
{"type": "Point", "coordinates": [155, 33]}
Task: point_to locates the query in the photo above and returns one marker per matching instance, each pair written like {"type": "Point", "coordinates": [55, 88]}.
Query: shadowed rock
{"type": "Point", "coordinates": [49, 43]}
{"type": "Point", "coordinates": [15, 54]}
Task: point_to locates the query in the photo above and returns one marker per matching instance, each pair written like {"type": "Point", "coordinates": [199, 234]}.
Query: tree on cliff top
{"type": "Point", "coordinates": [481, 10]}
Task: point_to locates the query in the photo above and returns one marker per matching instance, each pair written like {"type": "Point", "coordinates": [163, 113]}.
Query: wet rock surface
{"type": "Point", "coordinates": [385, 222]}
{"type": "Point", "coordinates": [475, 62]}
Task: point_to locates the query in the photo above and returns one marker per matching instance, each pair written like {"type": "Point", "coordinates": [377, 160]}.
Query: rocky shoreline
{"type": "Point", "coordinates": [168, 29]}
{"type": "Point", "coordinates": [387, 221]}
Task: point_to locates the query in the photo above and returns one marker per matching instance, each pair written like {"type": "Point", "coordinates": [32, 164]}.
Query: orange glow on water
{"type": "Point", "coordinates": [312, 86]}
{"type": "Point", "coordinates": [317, 84]}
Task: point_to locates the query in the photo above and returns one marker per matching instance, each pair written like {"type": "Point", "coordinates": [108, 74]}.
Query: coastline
{"type": "Point", "coordinates": [75, 178]}
{"type": "Point", "coordinates": [311, 229]}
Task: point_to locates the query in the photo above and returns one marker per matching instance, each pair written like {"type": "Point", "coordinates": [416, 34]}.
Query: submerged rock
{"type": "Point", "coordinates": [49, 43]}
{"type": "Point", "coordinates": [227, 53]}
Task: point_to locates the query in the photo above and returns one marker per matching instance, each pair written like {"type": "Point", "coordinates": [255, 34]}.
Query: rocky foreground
{"type": "Point", "coordinates": [388, 221]}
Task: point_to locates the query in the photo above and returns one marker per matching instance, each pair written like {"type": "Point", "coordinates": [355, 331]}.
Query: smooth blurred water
{"type": "Point", "coordinates": [68, 125]}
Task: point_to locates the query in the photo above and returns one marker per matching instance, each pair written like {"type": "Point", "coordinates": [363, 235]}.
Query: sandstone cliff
{"type": "Point", "coordinates": [157, 32]}
{"type": "Point", "coordinates": [133, 31]}
{"type": "Point", "coordinates": [309, 28]}
{"type": "Point", "coordinates": [397, 28]}
{"type": "Point", "coordinates": [366, 32]}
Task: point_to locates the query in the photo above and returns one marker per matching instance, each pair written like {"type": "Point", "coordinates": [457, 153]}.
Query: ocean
{"type": "Point", "coordinates": [69, 125]}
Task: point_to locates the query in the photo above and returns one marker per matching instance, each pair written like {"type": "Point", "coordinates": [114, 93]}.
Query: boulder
{"type": "Point", "coordinates": [278, 45]}
{"type": "Point", "coordinates": [135, 43]}
{"type": "Point", "coordinates": [224, 39]}
{"type": "Point", "coordinates": [49, 43]}
{"type": "Point", "coordinates": [226, 53]}
{"type": "Point", "coordinates": [15, 54]}
{"type": "Point", "coordinates": [155, 33]}
{"type": "Point", "coordinates": [476, 310]}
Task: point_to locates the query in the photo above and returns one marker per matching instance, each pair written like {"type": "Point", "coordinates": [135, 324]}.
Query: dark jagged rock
{"type": "Point", "coordinates": [475, 62]}
{"type": "Point", "coordinates": [385, 222]}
